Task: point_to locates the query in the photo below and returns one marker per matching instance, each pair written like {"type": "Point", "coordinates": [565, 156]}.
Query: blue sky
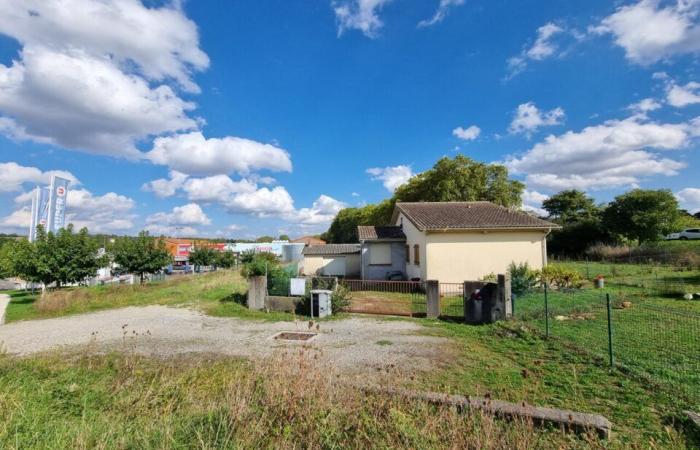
{"type": "Point", "coordinates": [237, 119]}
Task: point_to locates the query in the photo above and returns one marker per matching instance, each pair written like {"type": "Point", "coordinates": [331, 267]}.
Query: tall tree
{"type": "Point", "coordinates": [141, 255]}
{"type": "Point", "coordinates": [462, 179]}
{"type": "Point", "coordinates": [642, 215]}
{"type": "Point", "coordinates": [66, 257]}
{"type": "Point", "coordinates": [19, 259]}
{"type": "Point", "coordinates": [202, 256]}
{"type": "Point", "coordinates": [571, 206]}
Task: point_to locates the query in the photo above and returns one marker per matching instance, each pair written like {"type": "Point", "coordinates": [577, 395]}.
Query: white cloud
{"type": "Point", "coordinates": [467, 134]}
{"type": "Point", "coordinates": [532, 202]}
{"type": "Point", "coordinates": [359, 15]}
{"type": "Point", "coordinates": [644, 106]}
{"type": "Point", "coordinates": [171, 230]}
{"type": "Point", "coordinates": [216, 188]}
{"type": "Point", "coordinates": [689, 198]}
{"type": "Point", "coordinates": [528, 118]}
{"type": "Point", "coordinates": [543, 48]}
{"type": "Point", "coordinates": [17, 222]}
{"type": "Point", "coordinates": [322, 212]}
{"type": "Point", "coordinates": [650, 32]}
{"type": "Point", "coordinates": [440, 13]}
{"type": "Point", "coordinates": [193, 154]}
{"type": "Point", "coordinates": [186, 215]}
{"type": "Point", "coordinates": [88, 72]}
{"type": "Point", "coordinates": [391, 177]}
{"type": "Point", "coordinates": [262, 202]}
{"type": "Point", "coordinates": [615, 153]}
{"type": "Point", "coordinates": [13, 176]}
{"type": "Point", "coordinates": [680, 96]}
{"type": "Point", "coordinates": [163, 188]}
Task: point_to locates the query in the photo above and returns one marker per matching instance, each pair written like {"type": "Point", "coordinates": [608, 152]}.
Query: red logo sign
{"type": "Point", "coordinates": [60, 191]}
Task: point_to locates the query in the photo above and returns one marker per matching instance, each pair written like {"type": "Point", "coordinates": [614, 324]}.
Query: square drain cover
{"type": "Point", "coordinates": [294, 336]}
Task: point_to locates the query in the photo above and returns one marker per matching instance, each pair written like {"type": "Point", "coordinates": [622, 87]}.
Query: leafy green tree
{"type": "Point", "coordinates": [284, 237]}
{"type": "Point", "coordinates": [697, 215]}
{"type": "Point", "coordinates": [202, 256]}
{"type": "Point", "coordinates": [571, 206]}
{"type": "Point", "coordinates": [19, 259]}
{"type": "Point", "coordinates": [262, 239]}
{"type": "Point", "coordinates": [462, 179]}
{"type": "Point", "coordinates": [226, 259]}
{"type": "Point", "coordinates": [141, 255]}
{"type": "Point", "coordinates": [457, 179]}
{"type": "Point", "coordinates": [642, 215]}
{"type": "Point", "coordinates": [66, 257]}
{"type": "Point", "coordinates": [575, 238]}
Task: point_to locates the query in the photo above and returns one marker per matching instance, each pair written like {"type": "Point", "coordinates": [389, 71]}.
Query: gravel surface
{"type": "Point", "coordinates": [354, 343]}
{"type": "Point", "coordinates": [4, 301]}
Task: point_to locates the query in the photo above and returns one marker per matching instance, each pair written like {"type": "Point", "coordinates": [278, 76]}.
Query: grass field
{"type": "Point", "coordinates": [220, 293]}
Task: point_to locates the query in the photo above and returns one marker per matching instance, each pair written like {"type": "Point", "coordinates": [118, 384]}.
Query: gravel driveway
{"type": "Point", "coordinates": [353, 343]}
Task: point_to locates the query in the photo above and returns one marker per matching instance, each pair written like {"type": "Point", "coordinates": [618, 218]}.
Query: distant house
{"type": "Point", "coordinates": [309, 240]}
{"type": "Point", "coordinates": [446, 241]}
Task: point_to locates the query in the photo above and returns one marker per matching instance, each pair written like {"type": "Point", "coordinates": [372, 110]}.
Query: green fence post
{"type": "Point", "coordinates": [610, 331]}
{"type": "Point", "coordinates": [546, 312]}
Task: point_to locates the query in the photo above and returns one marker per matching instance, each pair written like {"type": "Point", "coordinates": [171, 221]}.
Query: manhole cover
{"type": "Point", "coordinates": [294, 336]}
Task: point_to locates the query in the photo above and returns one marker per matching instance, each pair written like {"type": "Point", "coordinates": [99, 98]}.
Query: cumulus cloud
{"type": "Point", "coordinates": [467, 134]}
{"type": "Point", "coordinates": [262, 202]}
{"type": "Point", "coordinates": [361, 15]}
{"type": "Point", "coordinates": [216, 188]}
{"type": "Point", "coordinates": [88, 73]}
{"type": "Point", "coordinates": [163, 187]}
{"type": "Point", "coordinates": [644, 106]}
{"type": "Point", "coordinates": [544, 47]}
{"type": "Point", "coordinates": [17, 222]}
{"type": "Point", "coordinates": [681, 96]}
{"type": "Point", "coordinates": [532, 202]}
{"type": "Point", "coordinates": [650, 31]}
{"type": "Point", "coordinates": [194, 154]}
{"type": "Point", "coordinates": [13, 176]}
{"type": "Point", "coordinates": [615, 153]}
{"type": "Point", "coordinates": [442, 10]}
{"type": "Point", "coordinates": [528, 118]}
{"type": "Point", "coordinates": [321, 212]}
{"type": "Point", "coordinates": [186, 215]}
{"type": "Point", "coordinates": [689, 198]}
{"type": "Point", "coordinates": [391, 177]}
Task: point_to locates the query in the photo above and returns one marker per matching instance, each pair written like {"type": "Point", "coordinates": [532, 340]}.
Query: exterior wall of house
{"type": "Point", "coordinates": [414, 237]}
{"type": "Point", "coordinates": [314, 264]}
{"type": "Point", "coordinates": [379, 272]}
{"type": "Point", "coordinates": [456, 257]}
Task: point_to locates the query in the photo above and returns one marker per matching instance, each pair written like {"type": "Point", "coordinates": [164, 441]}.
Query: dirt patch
{"type": "Point", "coordinates": [162, 331]}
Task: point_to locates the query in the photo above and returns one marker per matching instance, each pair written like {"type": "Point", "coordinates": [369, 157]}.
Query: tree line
{"type": "Point", "coordinates": [69, 257]}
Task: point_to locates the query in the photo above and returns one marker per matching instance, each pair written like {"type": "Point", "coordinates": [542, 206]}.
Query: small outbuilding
{"type": "Point", "coordinates": [339, 260]}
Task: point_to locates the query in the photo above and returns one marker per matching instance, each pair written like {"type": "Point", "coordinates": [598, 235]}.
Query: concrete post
{"type": "Point", "coordinates": [432, 290]}
{"type": "Point", "coordinates": [504, 292]}
{"type": "Point", "coordinates": [257, 291]}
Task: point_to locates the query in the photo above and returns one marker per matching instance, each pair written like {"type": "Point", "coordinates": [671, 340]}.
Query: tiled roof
{"type": "Point", "coordinates": [435, 216]}
{"type": "Point", "coordinates": [309, 240]}
{"type": "Point", "coordinates": [372, 233]}
{"type": "Point", "coordinates": [332, 249]}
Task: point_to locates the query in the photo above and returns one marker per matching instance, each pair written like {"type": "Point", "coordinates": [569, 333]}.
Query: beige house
{"type": "Point", "coordinates": [457, 241]}
{"type": "Point", "coordinates": [332, 260]}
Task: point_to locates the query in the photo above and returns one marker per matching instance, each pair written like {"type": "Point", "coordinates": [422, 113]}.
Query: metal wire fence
{"type": "Point", "coordinates": [653, 341]}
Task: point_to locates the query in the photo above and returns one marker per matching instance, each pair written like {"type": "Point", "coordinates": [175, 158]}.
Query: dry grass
{"type": "Point", "coordinates": [287, 402]}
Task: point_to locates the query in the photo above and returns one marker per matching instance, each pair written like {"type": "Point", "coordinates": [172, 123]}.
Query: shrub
{"type": "Point", "coordinates": [605, 252]}
{"type": "Point", "coordinates": [688, 260]}
{"type": "Point", "coordinates": [340, 299]}
{"type": "Point", "coordinates": [558, 277]}
{"type": "Point", "coordinates": [260, 264]}
{"type": "Point", "coordinates": [522, 278]}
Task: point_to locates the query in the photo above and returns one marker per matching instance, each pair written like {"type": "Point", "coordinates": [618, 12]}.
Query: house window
{"type": "Point", "coordinates": [408, 253]}
{"type": "Point", "coordinates": [380, 254]}
{"type": "Point", "coordinates": [416, 255]}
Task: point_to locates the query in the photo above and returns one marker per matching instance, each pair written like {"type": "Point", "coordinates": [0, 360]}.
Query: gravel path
{"type": "Point", "coordinates": [4, 301]}
{"type": "Point", "coordinates": [353, 343]}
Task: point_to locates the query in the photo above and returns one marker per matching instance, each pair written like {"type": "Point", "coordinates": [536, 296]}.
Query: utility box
{"type": "Point", "coordinates": [320, 303]}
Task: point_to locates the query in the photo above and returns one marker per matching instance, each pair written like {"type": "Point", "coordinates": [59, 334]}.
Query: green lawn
{"type": "Point", "coordinates": [220, 293]}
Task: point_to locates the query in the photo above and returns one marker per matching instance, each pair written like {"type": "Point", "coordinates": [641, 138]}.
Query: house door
{"type": "Point", "coordinates": [334, 266]}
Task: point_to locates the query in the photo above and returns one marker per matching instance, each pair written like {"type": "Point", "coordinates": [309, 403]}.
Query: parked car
{"type": "Point", "coordinates": [688, 233]}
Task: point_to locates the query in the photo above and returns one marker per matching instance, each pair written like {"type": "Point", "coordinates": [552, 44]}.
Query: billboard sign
{"type": "Point", "coordinates": [57, 203]}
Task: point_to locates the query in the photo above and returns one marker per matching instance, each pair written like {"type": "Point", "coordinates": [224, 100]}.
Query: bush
{"type": "Point", "coordinates": [605, 252]}
{"type": "Point", "coordinates": [340, 299]}
{"type": "Point", "coordinates": [260, 264]}
{"type": "Point", "coordinates": [522, 278]}
{"type": "Point", "coordinates": [558, 277]}
{"type": "Point", "coordinates": [688, 260]}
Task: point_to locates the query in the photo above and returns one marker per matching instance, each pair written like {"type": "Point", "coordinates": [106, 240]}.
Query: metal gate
{"type": "Point", "coordinates": [396, 298]}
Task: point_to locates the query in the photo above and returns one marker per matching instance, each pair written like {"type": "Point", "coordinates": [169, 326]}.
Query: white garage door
{"type": "Point", "coordinates": [334, 266]}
